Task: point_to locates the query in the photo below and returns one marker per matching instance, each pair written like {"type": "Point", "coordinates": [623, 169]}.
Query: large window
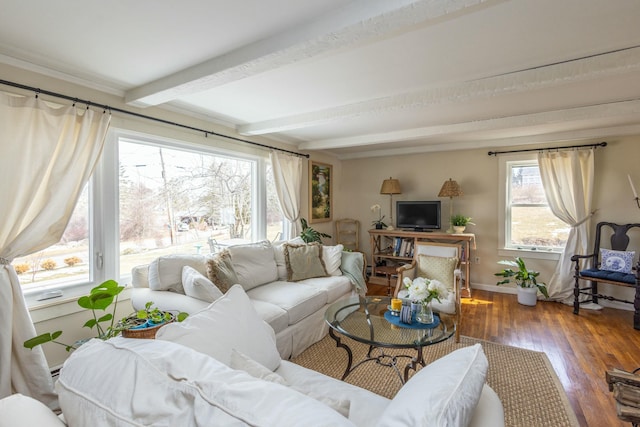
{"type": "Point", "coordinates": [529, 223]}
{"type": "Point", "coordinates": [149, 197]}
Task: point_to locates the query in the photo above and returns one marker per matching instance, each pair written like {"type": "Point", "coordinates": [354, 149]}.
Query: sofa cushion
{"type": "Point", "coordinates": [275, 316]}
{"type": "Point", "coordinates": [221, 272]}
{"type": "Point", "coordinates": [196, 285]}
{"type": "Point", "coordinates": [297, 299]}
{"type": "Point", "coordinates": [278, 251]}
{"type": "Point", "coordinates": [163, 383]}
{"type": "Point", "coordinates": [254, 263]}
{"type": "Point", "coordinates": [20, 410]}
{"type": "Point", "coordinates": [334, 286]}
{"type": "Point", "coordinates": [609, 275]}
{"type": "Point", "coordinates": [165, 272]}
{"type": "Point", "coordinates": [304, 262]}
{"type": "Point", "coordinates": [438, 268]}
{"type": "Point", "coordinates": [443, 393]}
{"type": "Point", "coordinates": [617, 261]}
{"type": "Point", "coordinates": [229, 322]}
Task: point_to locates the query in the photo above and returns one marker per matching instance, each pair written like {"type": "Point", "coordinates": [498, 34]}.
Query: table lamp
{"type": "Point", "coordinates": [390, 186]}
{"type": "Point", "coordinates": [450, 189]}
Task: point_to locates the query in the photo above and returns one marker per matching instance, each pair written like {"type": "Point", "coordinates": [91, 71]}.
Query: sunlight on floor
{"type": "Point", "coordinates": [475, 301]}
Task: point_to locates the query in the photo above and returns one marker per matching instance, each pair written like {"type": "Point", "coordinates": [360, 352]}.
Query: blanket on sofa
{"type": "Point", "coordinates": [352, 266]}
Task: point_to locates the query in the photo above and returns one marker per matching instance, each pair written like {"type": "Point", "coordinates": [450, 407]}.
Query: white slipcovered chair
{"type": "Point", "coordinates": [441, 262]}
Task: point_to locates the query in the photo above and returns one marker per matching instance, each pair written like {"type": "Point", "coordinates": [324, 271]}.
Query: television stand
{"type": "Point", "coordinates": [395, 247]}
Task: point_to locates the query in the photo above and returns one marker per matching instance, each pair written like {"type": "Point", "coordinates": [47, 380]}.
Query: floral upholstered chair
{"type": "Point", "coordinates": [441, 262]}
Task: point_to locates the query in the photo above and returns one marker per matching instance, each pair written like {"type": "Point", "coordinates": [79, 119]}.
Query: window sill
{"type": "Point", "coordinates": [529, 253]}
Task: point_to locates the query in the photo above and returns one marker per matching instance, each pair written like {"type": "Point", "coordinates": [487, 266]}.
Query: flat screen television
{"type": "Point", "coordinates": [418, 216]}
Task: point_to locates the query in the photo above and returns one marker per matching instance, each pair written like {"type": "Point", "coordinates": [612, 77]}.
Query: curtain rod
{"type": "Point", "coordinates": [599, 144]}
{"type": "Point", "coordinates": [143, 116]}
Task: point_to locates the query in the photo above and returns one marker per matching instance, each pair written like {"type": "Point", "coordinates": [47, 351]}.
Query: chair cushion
{"type": "Point", "coordinates": [438, 268]}
{"type": "Point", "coordinates": [609, 275]}
{"type": "Point", "coordinates": [443, 393]}
{"type": "Point", "coordinates": [254, 263]}
{"type": "Point", "coordinates": [618, 261]}
{"type": "Point", "coordinates": [229, 322]}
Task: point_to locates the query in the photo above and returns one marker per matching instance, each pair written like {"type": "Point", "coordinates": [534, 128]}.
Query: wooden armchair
{"type": "Point", "coordinates": [603, 266]}
{"type": "Point", "coordinates": [441, 262]}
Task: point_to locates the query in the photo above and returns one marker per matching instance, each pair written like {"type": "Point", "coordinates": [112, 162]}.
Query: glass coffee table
{"type": "Point", "coordinates": [363, 319]}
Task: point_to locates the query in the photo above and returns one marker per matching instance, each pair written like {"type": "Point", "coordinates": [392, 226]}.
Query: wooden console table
{"type": "Point", "coordinates": [384, 247]}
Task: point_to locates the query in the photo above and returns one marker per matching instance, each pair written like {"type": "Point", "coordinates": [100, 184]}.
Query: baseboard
{"type": "Point", "coordinates": [494, 288]}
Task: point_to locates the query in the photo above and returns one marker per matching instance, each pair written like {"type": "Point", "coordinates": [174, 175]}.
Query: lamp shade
{"type": "Point", "coordinates": [450, 188]}
{"type": "Point", "coordinates": [390, 186]}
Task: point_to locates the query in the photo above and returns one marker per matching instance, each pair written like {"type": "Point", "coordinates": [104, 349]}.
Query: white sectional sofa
{"type": "Point", "coordinates": [294, 309]}
{"type": "Point", "coordinates": [220, 367]}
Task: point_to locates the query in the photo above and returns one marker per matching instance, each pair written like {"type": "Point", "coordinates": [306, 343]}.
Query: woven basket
{"type": "Point", "coordinates": [146, 333]}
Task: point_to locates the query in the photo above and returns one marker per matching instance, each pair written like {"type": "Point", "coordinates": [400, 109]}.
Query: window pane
{"type": "Point", "coordinates": [173, 201]}
{"type": "Point", "coordinates": [530, 223]}
{"type": "Point", "coordinates": [537, 227]}
{"type": "Point", "coordinates": [65, 263]}
{"type": "Point", "coordinates": [526, 185]}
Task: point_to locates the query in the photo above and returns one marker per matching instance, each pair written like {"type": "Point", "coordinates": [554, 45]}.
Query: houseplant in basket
{"type": "Point", "coordinates": [100, 299]}
{"type": "Point", "coordinates": [525, 279]}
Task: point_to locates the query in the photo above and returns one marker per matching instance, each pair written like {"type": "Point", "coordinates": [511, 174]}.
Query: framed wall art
{"type": "Point", "coordinates": [320, 192]}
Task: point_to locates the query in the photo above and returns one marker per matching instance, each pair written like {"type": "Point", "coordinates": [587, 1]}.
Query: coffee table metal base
{"type": "Point", "coordinates": [381, 359]}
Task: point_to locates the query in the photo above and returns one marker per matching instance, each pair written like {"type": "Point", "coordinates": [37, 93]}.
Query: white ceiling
{"type": "Point", "coordinates": [355, 78]}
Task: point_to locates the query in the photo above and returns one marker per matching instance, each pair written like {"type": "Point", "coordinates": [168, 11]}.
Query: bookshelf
{"type": "Point", "coordinates": [395, 247]}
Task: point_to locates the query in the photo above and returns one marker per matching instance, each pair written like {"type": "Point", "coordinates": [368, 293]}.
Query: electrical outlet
{"type": "Point", "coordinates": [477, 260]}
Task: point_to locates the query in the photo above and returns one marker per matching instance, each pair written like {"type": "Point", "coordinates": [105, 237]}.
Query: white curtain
{"type": "Point", "coordinates": [47, 155]}
{"type": "Point", "coordinates": [287, 173]}
{"type": "Point", "coordinates": [567, 178]}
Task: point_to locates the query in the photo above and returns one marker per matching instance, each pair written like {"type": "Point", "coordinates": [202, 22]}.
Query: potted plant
{"type": "Point", "coordinates": [460, 222]}
{"type": "Point", "coordinates": [101, 298]}
{"type": "Point", "coordinates": [309, 234]}
{"type": "Point", "coordinates": [378, 223]}
{"type": "Point", "coordinates": [525, 279]}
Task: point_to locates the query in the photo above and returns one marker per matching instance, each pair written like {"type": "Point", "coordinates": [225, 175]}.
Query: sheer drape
{"type": "Point", "coordinates": [567, 178]}
{"type": "Point", "coordinates": [47, 155]}
{"type": "Point", "coordinates": [287, 172]}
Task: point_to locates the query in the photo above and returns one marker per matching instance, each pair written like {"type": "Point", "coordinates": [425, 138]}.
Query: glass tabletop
{"type": "Point", "coordinates": [362, 319]}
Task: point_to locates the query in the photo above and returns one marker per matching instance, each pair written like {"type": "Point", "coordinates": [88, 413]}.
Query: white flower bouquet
{"type": "Point", "coordinates": [424, 290]}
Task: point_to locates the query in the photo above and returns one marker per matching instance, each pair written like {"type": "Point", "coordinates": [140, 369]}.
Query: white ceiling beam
{"type": "Point", "coordinates": [623, 111]}
{"type": "Point", "coordinates": [596, 67]}
{"type": "Point", "coordinates": [359, 22]}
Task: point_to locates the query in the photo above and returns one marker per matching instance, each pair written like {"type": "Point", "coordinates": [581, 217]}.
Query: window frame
{"type": "Point", "coordinates": [506, 162]}
{"type": "Point", "coordinates": [104, 212]}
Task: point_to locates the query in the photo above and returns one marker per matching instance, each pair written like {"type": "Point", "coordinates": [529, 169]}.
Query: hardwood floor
{"type": "Point", "coordinates": [580, 348]}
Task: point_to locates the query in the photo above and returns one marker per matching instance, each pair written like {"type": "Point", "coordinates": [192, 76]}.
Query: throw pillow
{"type": "Point", "coordinates": [278, 251]}
{"type": "Point", "coordinates": [221, 272]}
{"type": "Point", "coordinates": [443, 393]}
{"type": "Point", "coordinates": [165, 272]}
{"type": "Point", "coordinates": [304, 262]}
{"type": "Point", "coordinates": [230, 322]}
{"type": "Point", "coordinates": [197, 286]}
{"type": "Point", "coordinates": [332, 258]}
{"type": "Point", "coordinates": [618, 261]}
{"type": "Point", "coordinates": [438, 268]}
{"type": "Point", "coordinates": [20, 410]}
{"type": "Point", "coordinates": [254, 263]}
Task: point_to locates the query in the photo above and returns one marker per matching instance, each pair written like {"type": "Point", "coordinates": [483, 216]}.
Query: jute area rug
{"type": "Point", "coordinates": [529, 389]}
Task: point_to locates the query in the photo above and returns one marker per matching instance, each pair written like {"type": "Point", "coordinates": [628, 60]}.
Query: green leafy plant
{"type": "Point", "coordinates": [523, 277]}
{"type": "Point", "coordinates": [378, 223]}
{"type": "Point", "coordinates": [101, 298]}
{"type": "Point", "coordinates": [309, 234]}
{"type": "Point", "coordinates": [461, 220]}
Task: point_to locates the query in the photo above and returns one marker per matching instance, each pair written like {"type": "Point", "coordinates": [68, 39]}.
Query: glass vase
{"type": "Point", "coordinates": [425, 313]}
